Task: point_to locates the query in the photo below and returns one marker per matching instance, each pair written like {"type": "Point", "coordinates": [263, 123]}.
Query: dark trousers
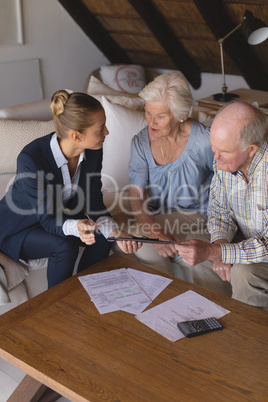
{"type": "Point", "coordinates": [62, 253]}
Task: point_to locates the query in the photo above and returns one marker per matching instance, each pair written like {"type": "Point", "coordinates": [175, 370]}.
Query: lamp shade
{"type": "Point", "coordinates": [256, 29]}
{"type": "Point", "coordinates": [258, 36]}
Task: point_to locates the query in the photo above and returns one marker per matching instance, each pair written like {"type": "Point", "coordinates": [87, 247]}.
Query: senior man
{"type": "Point", "coordinates": [238, 205]}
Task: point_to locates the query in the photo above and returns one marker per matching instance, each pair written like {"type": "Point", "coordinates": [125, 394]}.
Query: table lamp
{"type": "Point", "coordinates": [257, 32]}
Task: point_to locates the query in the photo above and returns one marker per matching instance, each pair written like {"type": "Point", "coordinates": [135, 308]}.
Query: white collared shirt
{"type": "Point", "coordinates": [105, 224]}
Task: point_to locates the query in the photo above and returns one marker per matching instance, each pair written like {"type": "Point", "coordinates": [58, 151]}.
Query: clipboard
{"type": "Point", "coordinates": [142, 239]}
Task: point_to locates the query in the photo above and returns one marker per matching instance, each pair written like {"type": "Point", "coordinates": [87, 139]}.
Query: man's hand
{"type": "Point", "coordinates": [86, 231]}
{"type": "Point", "coordinates": [166, 250]}
{"type": "Point", "coordinates": [195, 251]}
{"type": "Point", "coordinates": [222, 270]}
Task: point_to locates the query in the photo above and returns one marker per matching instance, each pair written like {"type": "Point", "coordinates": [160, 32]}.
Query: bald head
{"type": "Point", "coordinates": [241, 122]}
{"type": "Point", "coordinates": [236, 134]}
{"type": "Point", "coordinates": [238, 110]}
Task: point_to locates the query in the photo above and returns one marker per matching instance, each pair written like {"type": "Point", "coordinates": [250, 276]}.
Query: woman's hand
{"type": "Point", "coordinates": [86, 231]}
{"type": "Point", "coordinates": [126, 246]}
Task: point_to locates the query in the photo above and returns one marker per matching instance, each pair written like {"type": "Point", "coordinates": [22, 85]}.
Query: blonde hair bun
{"type": "Point", "coordinates": [58, 102]}
{"type": "Point", "coordinates": [73, 111]}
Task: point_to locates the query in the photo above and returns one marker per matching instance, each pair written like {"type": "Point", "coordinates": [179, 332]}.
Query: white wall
{"type": "Point", "coordinates": [66, 54]}
{"type": "Point", "coordinates": [212, 83]}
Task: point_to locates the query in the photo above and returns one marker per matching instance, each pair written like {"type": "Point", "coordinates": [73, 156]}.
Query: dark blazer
{"type": "Point", "coordinates": [35, 197]}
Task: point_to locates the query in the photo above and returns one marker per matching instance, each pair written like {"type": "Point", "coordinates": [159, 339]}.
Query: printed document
{"type": "Point", "coordinates": [123, 289]}
{"type": "Point", "coordinates": [187, 306]}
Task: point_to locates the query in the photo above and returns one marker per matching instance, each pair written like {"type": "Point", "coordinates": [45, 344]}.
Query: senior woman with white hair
{"type": "Point", "coordinates": [170, 167]}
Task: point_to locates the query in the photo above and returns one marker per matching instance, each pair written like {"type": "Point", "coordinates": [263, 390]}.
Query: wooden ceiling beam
{"type": "Point", "coordinates": [95, 31]}
{"type": "Point", "coordinates": [168, 40]}
{"type": "Point", "coordinates": [236, 47]}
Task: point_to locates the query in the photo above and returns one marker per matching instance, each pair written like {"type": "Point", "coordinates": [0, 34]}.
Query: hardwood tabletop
{"type": "Point", "coordinates": [61, 340]}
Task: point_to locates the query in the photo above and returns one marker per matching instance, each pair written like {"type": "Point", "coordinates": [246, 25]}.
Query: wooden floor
{"type": "Point", "coordinates": [10, 377]}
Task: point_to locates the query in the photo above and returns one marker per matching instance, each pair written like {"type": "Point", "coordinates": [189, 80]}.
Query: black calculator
{"type": "Point", "coordinates": [199, 327]}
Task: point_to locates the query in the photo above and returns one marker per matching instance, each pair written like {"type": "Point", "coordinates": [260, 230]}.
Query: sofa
{"type": "Point", "coordinates": [21, 124]}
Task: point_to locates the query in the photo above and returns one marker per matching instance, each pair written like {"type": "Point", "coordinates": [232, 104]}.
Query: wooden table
{"type": "Point", "coordinates": [245, 94]}
{"type": "Point", "coordinates": [61, 340]}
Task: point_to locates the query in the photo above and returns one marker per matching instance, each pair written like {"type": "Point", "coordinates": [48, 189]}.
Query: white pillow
{"type": "Point", "coordinates": [127, 78]}
{"type": "Point", "coordinates": [129, 102]}
{"type": "Point", "coordinates": [14, 135]}
{"type": "Point", "coordinates": [122, 124]}
{"type": "Point", "coordinates": [97, 89]}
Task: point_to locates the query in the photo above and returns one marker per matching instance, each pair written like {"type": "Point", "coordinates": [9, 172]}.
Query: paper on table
{"type": "Point", "coordinates": [123, 289]}
{"type": "Point", "coordinates": [115, 290]}
{"type": "Point", "coordinates": [187, 306]}
{"type": "Point", "coordinates": [151, 284]}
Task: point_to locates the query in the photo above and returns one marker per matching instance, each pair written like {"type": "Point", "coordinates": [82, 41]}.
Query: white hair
{"type": "Point", "coordinates": [173, 90]}
{"type": "Point", "coordinates": [255, 132]}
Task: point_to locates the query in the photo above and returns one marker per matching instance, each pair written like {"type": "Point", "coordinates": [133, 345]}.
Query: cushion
{"type": "Point", "coordinates": [130, 102]}
{"type": "Point", "coordinates": [97, 89]}
{"type": "Point", "coordinates": [37, 110]}
{"type": "Point", "coordinates": [6, 180]}
{"type": "Point", "coordinates": [202, 114]}
{"type": "Point", "coordinates": [4, 298]}
{"type": "Point", "coordinates": [14, 135]}
{"type": "Point", "coordinates": [17, 296]}
{"type": "Point", "coordinates": [14, 271]}
{"type": "Point", "coordinates": [126, 78]}
{"type": "Point", "coordinates": [122, 124]}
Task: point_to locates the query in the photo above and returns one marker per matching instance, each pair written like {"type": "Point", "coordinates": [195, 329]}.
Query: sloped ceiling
{"type": "Point", "coordinates": [176, 34]}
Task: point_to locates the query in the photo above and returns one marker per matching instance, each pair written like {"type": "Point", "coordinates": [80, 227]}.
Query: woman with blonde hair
{"type": "Point", "coordinates": [170, 167]}
{"type": "Point", "coordinates": [55, 204]}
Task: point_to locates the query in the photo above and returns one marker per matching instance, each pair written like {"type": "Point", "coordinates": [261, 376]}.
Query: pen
{"type": "Point", "coordinates": [89, 219]}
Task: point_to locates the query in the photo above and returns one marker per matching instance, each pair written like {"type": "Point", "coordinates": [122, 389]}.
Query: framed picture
{"type": "Point", "coordinates": [10, 22]}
